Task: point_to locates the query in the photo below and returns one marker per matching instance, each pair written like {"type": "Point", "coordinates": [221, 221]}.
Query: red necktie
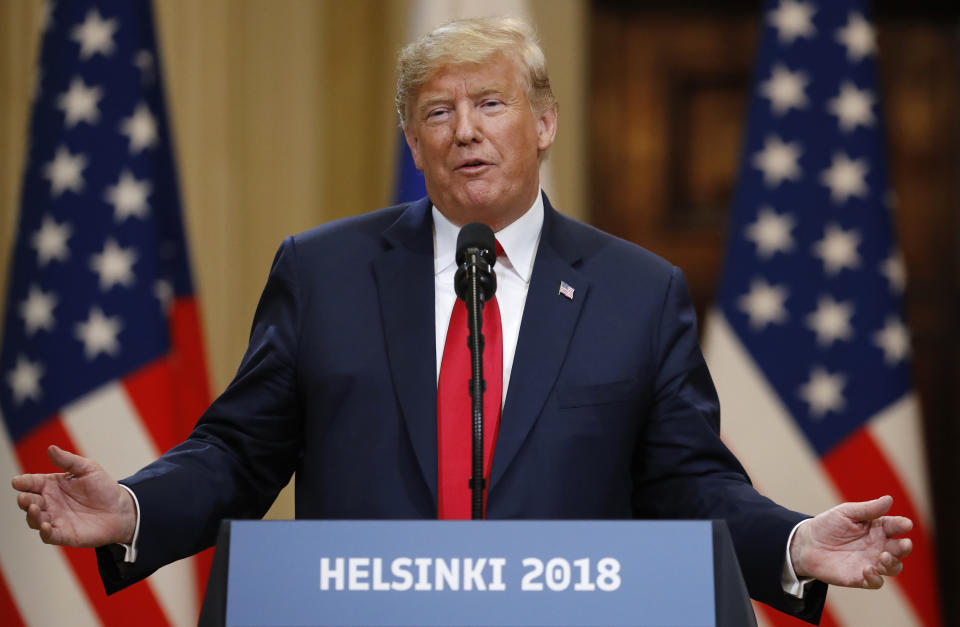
{"type": "Point", "coordinates": [455, 411]}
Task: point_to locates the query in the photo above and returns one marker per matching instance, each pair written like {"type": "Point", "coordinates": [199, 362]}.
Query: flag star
{"type": "Point", "coordinates": [51, 241]}
{"type": "Point", "coordinates": [785, 89]}
{"type": "Point", "coordinates": [852, 106]}
{"type": "Point", "coordinates": [141, 128]}
{"type": "Point", "coordinates": [838, 249]}
{"type": "Point", "coordinates": [128, 197]}
{"type": "Point", "coordinates": [94, 35]}
{"type": "Point", "coordinates": [778, 161]}
{"type": "Point", "coordinates": [79, 103]}
{"type": "Point", "coordinates": [24, 380]}
{"type": "Point", "coordinates": [114, 265]}
{"type": "Point", "coordinates": [823, 392]}
{"type": "Point", "coordinates": [793, 19]}
{"type": "Point", "coordinates": [65, 172]}
{"type": "Point", "coordinates": [99, 333]}
{"type": "Point", "coordinates": [845, 177]}
{"type": "Point", "coordinates": [771, 232]}
{"type": "Point", "coordinates": [831, 321]}
{"type": "Point", "coordinates": [895, 270]}
{"type": "Point", "coordinates": [764, 304]}
{"type": "Point", "coordinates": [37, 310]}
{"type": "Point", "coordinates": [858, 36]}
{"type": "Point", "coordinates": [893, 340]}
{"type": "Point", "coordinates": [163, 290]}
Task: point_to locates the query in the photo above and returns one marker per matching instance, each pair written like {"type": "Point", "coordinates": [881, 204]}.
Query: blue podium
{"type": "Point", "coordinates": [476, 573]}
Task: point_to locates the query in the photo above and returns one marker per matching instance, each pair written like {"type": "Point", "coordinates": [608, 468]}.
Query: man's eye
{"type": "Point", "coordinates": [491, 104]}
{"type": "Point", "coordinates": [436, 113]}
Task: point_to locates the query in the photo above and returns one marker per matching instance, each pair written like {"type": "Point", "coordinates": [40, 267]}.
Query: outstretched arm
{"type": "Point", "coordinates": [852, 544]}
{"type": "Point", "coordinates": [81, 507]}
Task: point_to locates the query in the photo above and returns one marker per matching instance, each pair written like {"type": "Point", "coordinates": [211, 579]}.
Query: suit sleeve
{"type": "Point", "coordinates": [242, 451]}
{"type": "Point", "coordinates": [683, 470]}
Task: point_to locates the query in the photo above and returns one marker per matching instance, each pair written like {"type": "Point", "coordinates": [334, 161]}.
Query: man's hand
{"type": "Point", "coordinates": [82, 506]}
{"type": "Point", "coordinates": [852, 545]}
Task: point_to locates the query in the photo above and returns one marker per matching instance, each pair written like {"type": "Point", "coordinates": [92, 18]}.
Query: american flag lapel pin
{"type": "Point", "coordinates": [566, 290]}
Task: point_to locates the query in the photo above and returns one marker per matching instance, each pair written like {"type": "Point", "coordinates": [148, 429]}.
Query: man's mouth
{"type": "Point", "coordinates": [472, 165]}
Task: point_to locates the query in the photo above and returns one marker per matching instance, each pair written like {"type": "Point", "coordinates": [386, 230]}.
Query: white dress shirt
{"type": "Point", "coordinates": [519, 242]}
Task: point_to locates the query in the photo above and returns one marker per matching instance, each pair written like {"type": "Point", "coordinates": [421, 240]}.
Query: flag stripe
{"type": "Point", "coordinates": [137, 600]}
{"type": "Point", "coordinates": [828, 619]}
{"type": "Point", "coordinates": [174, 587]}
{"type": "Point", "coordinates": [188, 371]}
{"type": "Point", "coordinates": [149, 390]}
{"type": "Point", "coordinates": [95, 424]}
{"type": "Point", "coordinates": [31, 587]}
{"type": "Point", "coordinates": [769, 616]}
{"type": "Point", "coordinates": [188, 365]}
{"type": "Point", "coordinates": [858, 466]}
{"type": "Point", "coordinates": [201, 570]}
{"type": "Point", "coordinates": [788, 471]}
{"type": "Point", "coordinates": [9, 613]}
{"type": "Point", "coordinates": [762, 613]}
{"type": "Point", "coordinates": [766, 615]}
{"type": "Point", "coordinates": [105, 426]}
{"type": "Point", "coordinates": [898, 433]}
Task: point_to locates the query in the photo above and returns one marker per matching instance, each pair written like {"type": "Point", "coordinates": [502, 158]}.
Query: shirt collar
{"type": "Point", "coordinates": [519, 240]}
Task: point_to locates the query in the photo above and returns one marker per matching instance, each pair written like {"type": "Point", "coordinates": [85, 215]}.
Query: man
{"type": "Point", "coordinates": [608, 411]}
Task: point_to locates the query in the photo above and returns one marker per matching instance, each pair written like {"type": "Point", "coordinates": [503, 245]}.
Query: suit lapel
{"type": "Point", "coordinates": [549, 319]}
{"type": "Point", "coordinates": [404, 276]}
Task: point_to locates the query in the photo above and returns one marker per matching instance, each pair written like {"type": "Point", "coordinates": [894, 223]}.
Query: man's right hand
{"type": "Point", "coordinates": [81, 506]}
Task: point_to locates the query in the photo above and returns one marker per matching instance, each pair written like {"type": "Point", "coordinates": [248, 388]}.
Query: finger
{"type": "Point", "coordinates": [889, 565]}
{"type": "Point", "coordinates": [896, 525]}
{"type": "Point", "coordinates": [26, 499]}
{"type": "Point", "coordinates": [871, 578]}
{"type": "Point", "coordinates": [900, 547]}
{"type": "Point", "coordinates": [48, 534]}
{"type": "Point", "coordinates": [35, 517]}
{"type": "Point", "coordinates": [27, 483]}
{"type": "Point", "coordinates": [68, 462]}
{"type": "Point", "coordinates": [867, 510]}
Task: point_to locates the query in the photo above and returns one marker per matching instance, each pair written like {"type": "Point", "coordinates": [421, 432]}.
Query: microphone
{"type": "Point", "coordinates": [475, 283]}
{"type": "Point", "coordinates": [476, 254]}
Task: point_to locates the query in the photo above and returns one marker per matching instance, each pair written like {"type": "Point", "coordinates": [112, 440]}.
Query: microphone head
{"type": "Point", "coordinates": [479, 236]}
{"type": "Point", "coordinates": [476, 254]}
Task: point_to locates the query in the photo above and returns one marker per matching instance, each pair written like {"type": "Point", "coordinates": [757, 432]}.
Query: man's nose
{"type": "Point", "coordinates": [469, 126]}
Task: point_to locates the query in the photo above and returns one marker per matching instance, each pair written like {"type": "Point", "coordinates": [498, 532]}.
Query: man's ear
{"type": "Point", "coordinates": [413, 141]}
{"type": "Point", "coordinates": [546, 128]}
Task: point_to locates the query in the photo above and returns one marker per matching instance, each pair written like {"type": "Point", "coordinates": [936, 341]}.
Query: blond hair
{"type": "Point", "coordinates": [473, 40]}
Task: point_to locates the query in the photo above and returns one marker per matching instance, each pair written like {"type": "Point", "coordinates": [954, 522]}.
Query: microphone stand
{"type": "Point", "coordinates": [477, 385]}
{"type": "Point", "coordinates": [475, 283]}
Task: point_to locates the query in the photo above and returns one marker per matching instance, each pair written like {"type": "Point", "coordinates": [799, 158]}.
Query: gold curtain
{"type": "Point", "coordinates": [282, 118]}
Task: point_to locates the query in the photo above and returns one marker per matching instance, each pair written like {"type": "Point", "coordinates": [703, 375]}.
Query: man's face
{"type": "Point", "coordinates": [478, 142]}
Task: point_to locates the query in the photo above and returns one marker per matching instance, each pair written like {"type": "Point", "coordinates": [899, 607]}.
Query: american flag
{"type": "Point", "coordinates": [808, 343]}
{"type": "Point", "coordinates": [102, 352]}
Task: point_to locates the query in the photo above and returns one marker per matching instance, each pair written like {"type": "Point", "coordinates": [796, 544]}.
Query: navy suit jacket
{"type": "Point", "coordinates": [610, 411]}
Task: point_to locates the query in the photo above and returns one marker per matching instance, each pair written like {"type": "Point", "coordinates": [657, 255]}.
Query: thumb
{"type": "Point", "coordinates": [867, 510]}
{"type": "Point", "coordinates": [68, 462]}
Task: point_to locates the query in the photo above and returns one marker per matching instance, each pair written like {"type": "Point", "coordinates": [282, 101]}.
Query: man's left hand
{"type": "Point", "coordinates": [852, 545]}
